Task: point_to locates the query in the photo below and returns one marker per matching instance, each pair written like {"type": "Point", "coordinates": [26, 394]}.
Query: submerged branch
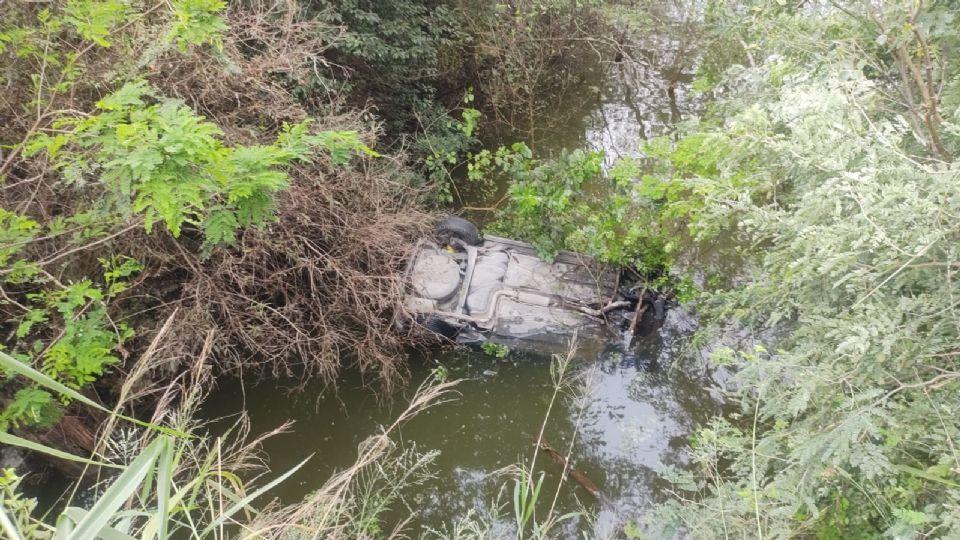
{"type": "Point", "coordinates": [568, 468]}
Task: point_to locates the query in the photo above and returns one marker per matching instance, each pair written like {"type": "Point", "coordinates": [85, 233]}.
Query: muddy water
{"type": "Point", "coordinates": [617, 105]}
{"type": "Point", "coordinates": [643, 400]}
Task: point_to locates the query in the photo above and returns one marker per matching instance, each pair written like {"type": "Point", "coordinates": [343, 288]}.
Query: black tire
{"type": "Point", "coordinates": [459, 228]}
{"type": "Point", "coordinates": [441, 327]}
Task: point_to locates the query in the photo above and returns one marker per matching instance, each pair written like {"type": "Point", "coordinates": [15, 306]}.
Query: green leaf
{"type": "Point", "coordinates": [164, 482]}
{"type": "Point", "coordinates": [119, 492]}
{"type": "Point", "coordinates": [106, 533]}
{"type": "Point", "coordinates": [222, 518]}
{"type": "Point", "coordinates": [128, 95]}
{"type": "Point", "coordinates": [911, 517]}
{"type": "Point", "coordinates": [9, 363]}
{"type": "Point", "coordinates": [220, 227]}
{"type": "Point", "coordinates": [13, 440]}
{"type": "Point", "coordinates": [913, 471]}
{"type": "Point", "coordinates": [94, 19]}
{"type": "Point", "coordinates": [7, 526]}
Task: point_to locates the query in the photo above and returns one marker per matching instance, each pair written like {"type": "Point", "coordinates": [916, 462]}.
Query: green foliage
{"type": "Point", "coordinates": [406, 33]}
{"type": "Point", "coordinates": [131, 157]}
{"type": "Point", "coordinates": [83, 348]}
{"type": "Point", "coordinates": [445, 144]}
{"type": "Point", "coordinates": [15, 232]}
{"type": "Point", "coordinates": [571, 203]}
{"type": "Point", "coordinates": [166, 163]}
{"type": "Point", "coordinates": [197, 23]}
{"type": "Point", "coordinates": [44, 47]}
{"type": "Point", "coordinates": [525, 496]}
{"type": "Point", "coordinates": [156, 160]}
{"type": "Point", "coordinates": [631, 530]}
{"type": "Point", "coordinates": [496, 350]}
{"type": "Point", "coordinates": [440, 373]}
{"type": "Point", "coordinates": [115, 270]}
{"type": "Point", "coordinates": [685, 185]}
{"type": "Point", "coordinates": [94, 20]}
{"type": "Point", "coordinates": [30, 407]}
{"type": "Point", "coordinates": [16, 511]}
{"type": "Point", "coordinates": [398, 49]}
{"type": "Point", "coordinates": [88, 339]}
{"type": "Point", "coordinates": [816, 167]}
{"type": "Point", "coordinates": [545, 198]}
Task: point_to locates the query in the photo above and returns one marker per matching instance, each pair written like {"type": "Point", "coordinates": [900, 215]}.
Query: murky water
{"type": "Point", "coordinates": [639, 408]}
{"type": "Point", "coordinates": [642, 400]}
{"type": "Point", "coordinates": [618, 105]}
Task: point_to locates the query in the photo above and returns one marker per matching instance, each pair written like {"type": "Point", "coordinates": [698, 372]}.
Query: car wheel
{"type": "Point", "coordinates": [459, 228]}
{"type": "Point", "coordinates": [441, 327]}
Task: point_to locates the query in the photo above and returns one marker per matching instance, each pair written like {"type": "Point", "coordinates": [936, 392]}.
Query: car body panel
{"type": "Point", "coordinates": [503, 292]}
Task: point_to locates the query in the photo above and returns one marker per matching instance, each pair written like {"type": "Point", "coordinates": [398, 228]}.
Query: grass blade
{"type": "Point", "coordinates": [913, 471]}
{"type": "Point", "coordinates": [106, 533]}
{"type": "Point", "coordinates": [7, 526]}
{"type": "Point", "coordinates": [13, 440]}
{"type": "Point", "coordinates": [150, 529]}
{"type": "Point", "coordinates": [164, 480]}
{"type": "Point", "coordinates": [119, 492]}
{"type": "Point", "coordinates": [519, 486]}
{"type": "Point", "coordinates": [64, 528]}
{"type": "Point", "coordinates": [249, 498]}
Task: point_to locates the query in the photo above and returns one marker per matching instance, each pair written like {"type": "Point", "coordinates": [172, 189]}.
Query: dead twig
{"type": "Point", "coordinates": [641, 308]}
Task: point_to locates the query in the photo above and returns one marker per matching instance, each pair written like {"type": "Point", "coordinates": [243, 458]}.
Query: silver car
{"type": "Point", "coordinates": [495, 289]}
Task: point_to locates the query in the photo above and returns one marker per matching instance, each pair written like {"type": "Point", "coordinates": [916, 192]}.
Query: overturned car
{"type": "Point", "coordinates": [495, 289]}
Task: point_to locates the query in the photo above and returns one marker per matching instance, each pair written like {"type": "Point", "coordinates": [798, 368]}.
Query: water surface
{"type": "Point", "coordinates": [642, 401]}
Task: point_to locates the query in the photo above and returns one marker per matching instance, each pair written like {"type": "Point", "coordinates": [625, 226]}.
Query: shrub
{"type": "Point", "coordinates": [842, 198]}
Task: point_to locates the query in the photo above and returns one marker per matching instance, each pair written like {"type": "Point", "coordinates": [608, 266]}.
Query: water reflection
{"type": "Point", "coordinates": [619, 104]}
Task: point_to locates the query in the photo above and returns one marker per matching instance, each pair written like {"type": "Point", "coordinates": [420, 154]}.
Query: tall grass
{"type": "Point", "coordinates": [349, 503]}
{"type": "Point", "coordinates": [165, 478]}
